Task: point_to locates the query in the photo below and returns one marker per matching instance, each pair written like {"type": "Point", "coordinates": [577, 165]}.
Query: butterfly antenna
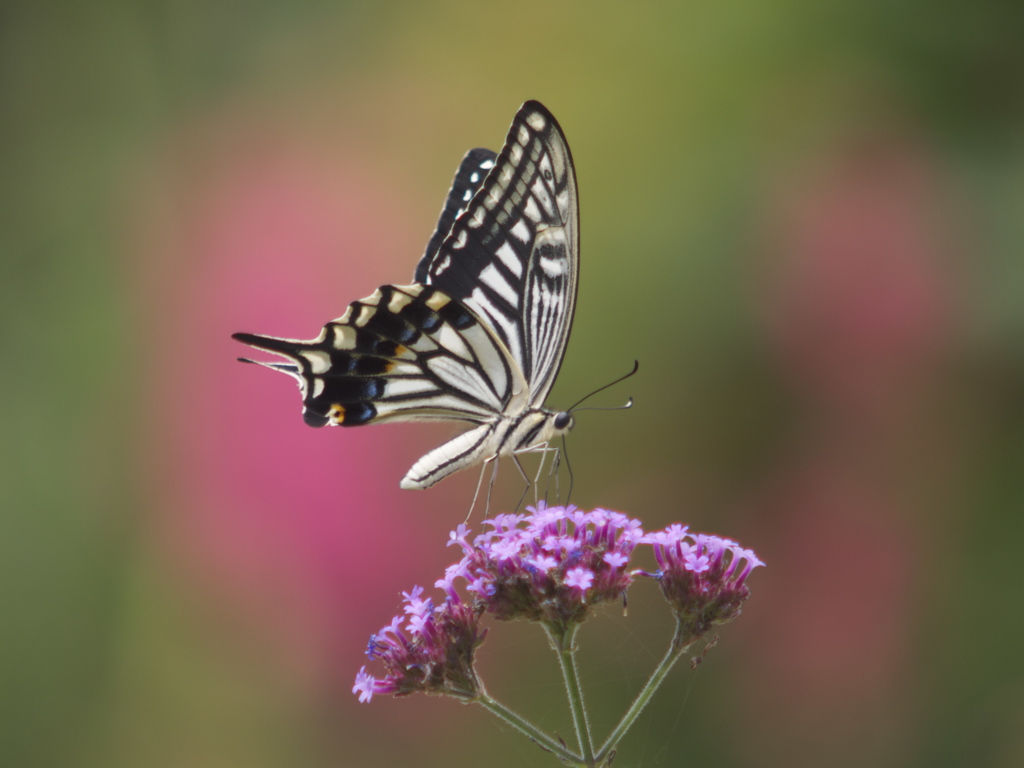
{"type": "Point", "coordinates": [624, 407]}
{"type": "Point", "coordinates": [636, 367]}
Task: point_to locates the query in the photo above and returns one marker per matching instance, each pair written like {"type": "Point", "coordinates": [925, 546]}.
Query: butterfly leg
{"type": "Point", "coordinates": [490, 486]}
{"type": "Point", "coordinates": [526, 479]}
{"type": "Point", "coordinates": [544, 449]}
{"type": "Point", "coordinates": [479, 484]}
{"type": "Point", "coordinates": [568, 467]}
{"type": "Point", "coordinates": [556, 464]}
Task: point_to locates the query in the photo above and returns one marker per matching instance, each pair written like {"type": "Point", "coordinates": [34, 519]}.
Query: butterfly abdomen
{"type": "Point", "coordinates": [505, 436]}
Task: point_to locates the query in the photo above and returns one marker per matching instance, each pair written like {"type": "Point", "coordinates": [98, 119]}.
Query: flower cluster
{"type": "Point", "coordinates": [433, 654]}
{"type": "Point", "coordinates": [552, 565]}
{"type": "Point", "coordinates": [701, 576]}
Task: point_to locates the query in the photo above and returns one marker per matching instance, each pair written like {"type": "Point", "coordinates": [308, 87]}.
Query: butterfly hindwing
{"type": "Point", "coordinates": [406, 353]}
{"type": "Point", "coordinates": [513, 255]}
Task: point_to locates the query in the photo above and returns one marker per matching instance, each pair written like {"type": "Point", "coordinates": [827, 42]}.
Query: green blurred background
{"type": "Point", "coordinates": [806, 220]}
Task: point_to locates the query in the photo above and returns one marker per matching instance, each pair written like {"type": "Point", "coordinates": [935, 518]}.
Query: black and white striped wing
{"type": "Point", "coordinates": [406, 353]}
{"type": "Point", "coordinates": [512, 256]}
{"type": "Point", "coordinates": [468, 178]}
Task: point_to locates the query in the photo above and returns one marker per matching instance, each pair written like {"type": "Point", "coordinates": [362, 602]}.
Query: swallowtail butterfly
{"type": "Point", "coordinates": [481, 333]}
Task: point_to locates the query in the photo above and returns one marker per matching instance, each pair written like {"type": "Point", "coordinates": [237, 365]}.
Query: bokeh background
{"type": "Point", "coordinates": [806, 220]}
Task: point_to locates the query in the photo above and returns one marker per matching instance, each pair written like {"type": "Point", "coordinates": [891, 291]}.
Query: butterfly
{"type": "Point", "coordinates": [480, 334]}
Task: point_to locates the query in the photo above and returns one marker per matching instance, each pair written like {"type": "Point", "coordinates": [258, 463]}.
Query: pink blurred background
{"type": "Point", "coordinates": [806, 228]}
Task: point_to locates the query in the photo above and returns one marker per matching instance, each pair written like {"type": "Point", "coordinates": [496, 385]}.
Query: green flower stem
{"type": "Point", "coordinates": [528, 729]}
{"type": "Point", "coordinates": [563, 641]}
{"type": "Point", "coordinates": [681, 641]}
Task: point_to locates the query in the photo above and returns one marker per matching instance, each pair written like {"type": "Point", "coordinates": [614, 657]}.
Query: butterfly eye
{"type": "Point", "coordinates": [563, 421]}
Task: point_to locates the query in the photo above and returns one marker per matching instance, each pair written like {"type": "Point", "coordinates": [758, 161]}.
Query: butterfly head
{"type": "Point", "coordinates": [562, 422]}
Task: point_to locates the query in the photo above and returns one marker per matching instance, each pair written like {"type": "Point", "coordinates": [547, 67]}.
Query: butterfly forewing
{"type": "Point", "coordinates": [468, 178]}
{"type": "Point", "coordinates": [513, 255]}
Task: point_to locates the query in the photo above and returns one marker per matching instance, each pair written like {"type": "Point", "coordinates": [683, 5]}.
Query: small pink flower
{"type": "Point", "coordinates": [695, 562]}
{"type": "Point", "coordinates": [580, 578]}
{"type": "Point", "coordinates": [364, 686]}
{"type": "Point", "coordinates": [615, 559]}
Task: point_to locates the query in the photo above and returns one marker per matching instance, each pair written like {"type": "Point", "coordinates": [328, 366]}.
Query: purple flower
{"type": "Point", "coordinates": [693, 561]}
{"type": "Point", "coordinates": [552, 565]}
{"type": "Point", "coordinates": [543, 563]}
{"type": "Point", "coordinates": [364, 686]}
{"type": "Point", "coordinates": [581, 578]}
{"type": "Point", "coordinates": [435, 652]}
{"type": "Point", "coordinates": [701, 576]}
{"type": "Point", "coordinates": [615, 559]}
{"type": "Point", "coordinates": [414, 604]}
